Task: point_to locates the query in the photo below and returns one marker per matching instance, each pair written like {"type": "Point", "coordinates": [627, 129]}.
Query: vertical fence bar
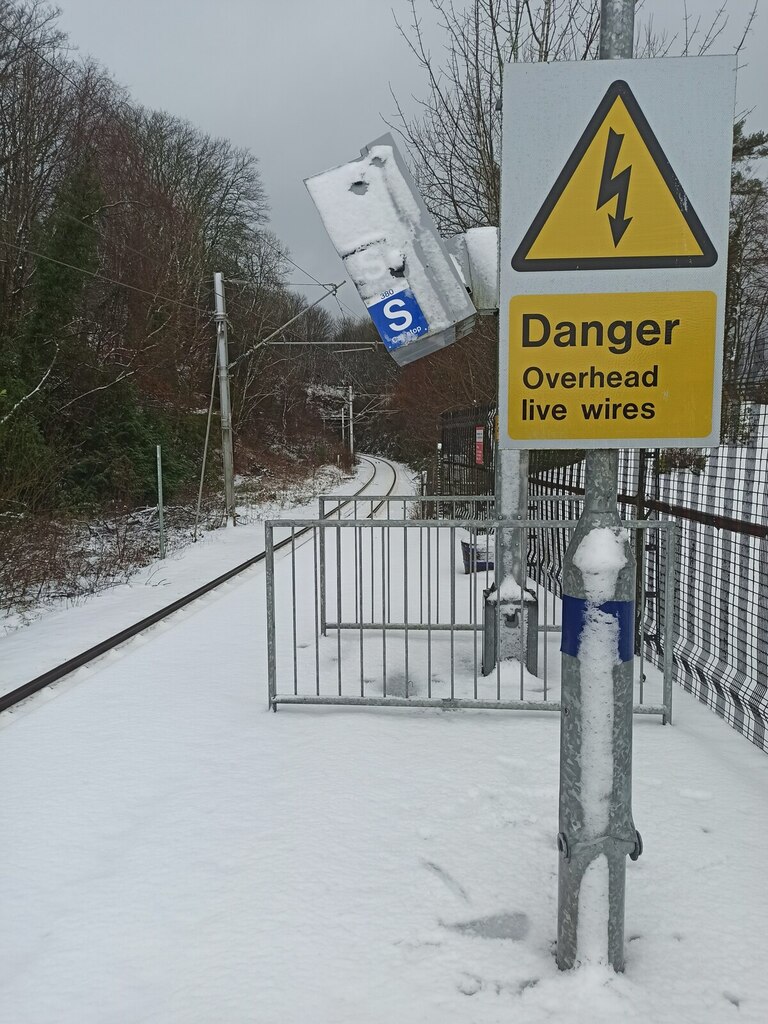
{"type": "Point", "coordinates": [359, 582]}
{"type": "Point", "coordinates": [429, 611]}
{"type": "Point", "coordinates": [473, 562]}
{"type": "Point", "coordinates": [322, 568]}
{"type": "Point", "coordinates": [405, 601]}
{"type": "Point", "coordinates": [522, 618]}
{"type": "Point", "coordinates": [497, 612]}
{"type": "Point", "coordinates": [641, 590]}
{"type": "Point", "coordinates": [546, 640]}
{"type": "Point", "coordinates": [293, 611]}
{"type": "Point", "coordinates": [672, 529]}
{"type": "Point", "coordinates": [269, 562]}
{"type": "Point", "coordinates": [358, 594]}
{"type": "Point", "coordinates": [338, 601]}
{"type": "Point", "coordinates": [453, 609]}
{"type": "Point", "coordinates": [383, 617]}
{"type": "Point", "coordinates": [472, 608]}
{"type": "Point", "coordinates": [317, 606]}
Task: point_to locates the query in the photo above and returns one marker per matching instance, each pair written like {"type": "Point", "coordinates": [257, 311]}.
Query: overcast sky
{"type": "Point", "coordinates": [305, 84]}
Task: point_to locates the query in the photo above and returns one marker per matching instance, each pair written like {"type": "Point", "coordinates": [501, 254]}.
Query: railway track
{"type": "Point", "coordinates": [31, 687]}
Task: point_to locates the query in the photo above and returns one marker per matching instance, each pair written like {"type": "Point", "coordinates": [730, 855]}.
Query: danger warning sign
{"type": "Point", "coordinates": [617, 202]}
{"type": "Point", "coordinates": [613, 235]}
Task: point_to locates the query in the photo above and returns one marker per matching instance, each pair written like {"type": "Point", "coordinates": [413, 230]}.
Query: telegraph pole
{"type": "Point", "coordinates": [595, 811]}
{"type": "Point", "coordinates": [225, 406]}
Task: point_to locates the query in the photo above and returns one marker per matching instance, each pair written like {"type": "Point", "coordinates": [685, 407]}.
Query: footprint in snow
{"type": "Point", "coordinates": [513, 926]}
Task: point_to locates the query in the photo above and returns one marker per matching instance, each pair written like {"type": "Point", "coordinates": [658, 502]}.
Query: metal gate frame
{"type": "Point", "coordinates": [318, 528]}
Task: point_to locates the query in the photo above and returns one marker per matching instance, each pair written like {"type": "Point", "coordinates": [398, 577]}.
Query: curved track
{"type": "Point", "coordinates": [53, 675]}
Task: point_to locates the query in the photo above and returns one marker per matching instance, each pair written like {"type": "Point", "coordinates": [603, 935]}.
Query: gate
{"type": "Point", "coordinates": [400, 611]}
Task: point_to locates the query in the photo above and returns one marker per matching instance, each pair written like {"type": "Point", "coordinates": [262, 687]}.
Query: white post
{"type": "Point", "coordinates": [225, 406]}
{"type": "Point", "coordinates": [160, 515]}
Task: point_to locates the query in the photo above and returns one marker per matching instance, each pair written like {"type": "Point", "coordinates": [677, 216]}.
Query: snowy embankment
{"type": "Point", "coordinates": [61, 633]}
{"type": "Point", "coordinates": [173, 852]}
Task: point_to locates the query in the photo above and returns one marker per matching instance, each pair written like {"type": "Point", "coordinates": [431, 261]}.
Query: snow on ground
{"type": "Point", "coordinates": [61, 633]}
{"type": "Point", "coordinates": [174, 853]}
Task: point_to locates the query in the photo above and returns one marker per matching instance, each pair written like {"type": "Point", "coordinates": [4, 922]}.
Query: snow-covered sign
{"type": "Point", "coordinates": [388, 241]}
{"type": "Point", "coordinates": [477, 253]}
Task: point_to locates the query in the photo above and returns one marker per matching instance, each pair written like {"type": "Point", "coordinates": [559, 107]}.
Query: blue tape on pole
{"type": "Point", "coordinates": [574, 617]}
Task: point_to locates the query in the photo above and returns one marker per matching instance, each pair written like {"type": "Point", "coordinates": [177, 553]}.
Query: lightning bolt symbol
{"type": "Point", "coordinates": [614, 185]}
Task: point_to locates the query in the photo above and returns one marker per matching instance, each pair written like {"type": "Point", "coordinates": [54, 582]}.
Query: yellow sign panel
{"type": "Point", "coordinates": [617, 203]}
{"type": "Point", "coordinates": [611, 366]}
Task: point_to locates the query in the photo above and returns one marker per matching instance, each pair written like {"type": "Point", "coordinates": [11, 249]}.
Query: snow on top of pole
{"type": "Point", "coordinates": [600, 558]}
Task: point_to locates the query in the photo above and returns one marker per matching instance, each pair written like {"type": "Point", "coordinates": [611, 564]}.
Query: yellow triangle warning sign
{"type": "Point", "coordinates": [617, 203]}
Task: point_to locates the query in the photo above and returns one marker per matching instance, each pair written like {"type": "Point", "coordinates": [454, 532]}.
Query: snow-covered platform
{"type": "Point", "coordinates": [174, 852]}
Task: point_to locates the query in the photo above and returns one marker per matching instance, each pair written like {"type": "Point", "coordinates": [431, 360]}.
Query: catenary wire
{"type": "Point", "coordinates": [108, 280]}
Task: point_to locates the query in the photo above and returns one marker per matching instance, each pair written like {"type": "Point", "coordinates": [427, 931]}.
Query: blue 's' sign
{"type": "Point", "coordinates": [398, 318]}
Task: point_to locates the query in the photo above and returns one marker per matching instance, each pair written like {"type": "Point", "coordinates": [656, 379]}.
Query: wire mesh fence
{"type": "Point", "coordinates": [719, 498]}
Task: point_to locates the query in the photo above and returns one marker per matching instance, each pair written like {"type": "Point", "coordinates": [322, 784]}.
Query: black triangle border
{"type": "Point", "coordinates": [708, 258]}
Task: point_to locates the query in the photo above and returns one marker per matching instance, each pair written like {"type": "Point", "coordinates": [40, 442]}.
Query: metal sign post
{"type": "Point", "coordinates": [614, 233]}
{"type": "Point", "coordinates": [596, 828]}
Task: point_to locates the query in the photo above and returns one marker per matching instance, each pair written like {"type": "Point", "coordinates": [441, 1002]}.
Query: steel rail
{"type": "Point", "coordinates": [8, 700]}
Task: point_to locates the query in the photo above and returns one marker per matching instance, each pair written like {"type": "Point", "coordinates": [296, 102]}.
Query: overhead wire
{"type": "Point", "coordinates": [293, 263]}
{"type": "Point", "coordinates": [108, 280]}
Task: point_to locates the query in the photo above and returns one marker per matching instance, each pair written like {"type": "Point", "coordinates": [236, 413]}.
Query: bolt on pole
{"type": "Point", "coordinates": [225, 405]}
{"type": "Point", "coordinates": [597, 830]}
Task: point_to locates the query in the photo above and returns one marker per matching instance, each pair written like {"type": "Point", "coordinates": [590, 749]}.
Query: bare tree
{"type": "Point", "coordinates": [455, 138]}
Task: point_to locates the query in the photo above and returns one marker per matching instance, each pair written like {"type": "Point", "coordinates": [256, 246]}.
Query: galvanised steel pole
{"type": "Point", "coordinates": [512, 505]}
{"type": "Point", "coordinates": [597, 831]}
{"type": "Point", "coordinates": [225, 405]}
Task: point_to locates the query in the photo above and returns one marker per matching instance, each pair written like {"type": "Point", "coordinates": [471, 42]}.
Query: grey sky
{"type": "Point", "coordinates": [304, 83]}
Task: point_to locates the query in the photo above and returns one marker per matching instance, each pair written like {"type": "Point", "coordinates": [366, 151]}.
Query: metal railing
{"type": "Point", "coordinates": [401, 612]}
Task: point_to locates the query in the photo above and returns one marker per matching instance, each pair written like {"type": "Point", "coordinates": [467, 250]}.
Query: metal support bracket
{"type": "Point", "coordinates": [633, 847]}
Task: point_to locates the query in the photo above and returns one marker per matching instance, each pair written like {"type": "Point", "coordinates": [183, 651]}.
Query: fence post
{"type": "Point", "coordinates": [672, 530]}
{"type": "Point", "coordinates": [322, 567]}
{"type": "Point", "coordinates": [160, 514]}
{"type": "Point", "coordinates": [271, 649]}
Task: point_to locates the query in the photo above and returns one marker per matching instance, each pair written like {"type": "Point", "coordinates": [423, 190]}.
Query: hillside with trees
{"type": "Point", "coordinates": [113, 219]}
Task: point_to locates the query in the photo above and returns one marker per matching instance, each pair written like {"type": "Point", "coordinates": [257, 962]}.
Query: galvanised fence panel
{"type": "Point", "coordinates": [402, 611]}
